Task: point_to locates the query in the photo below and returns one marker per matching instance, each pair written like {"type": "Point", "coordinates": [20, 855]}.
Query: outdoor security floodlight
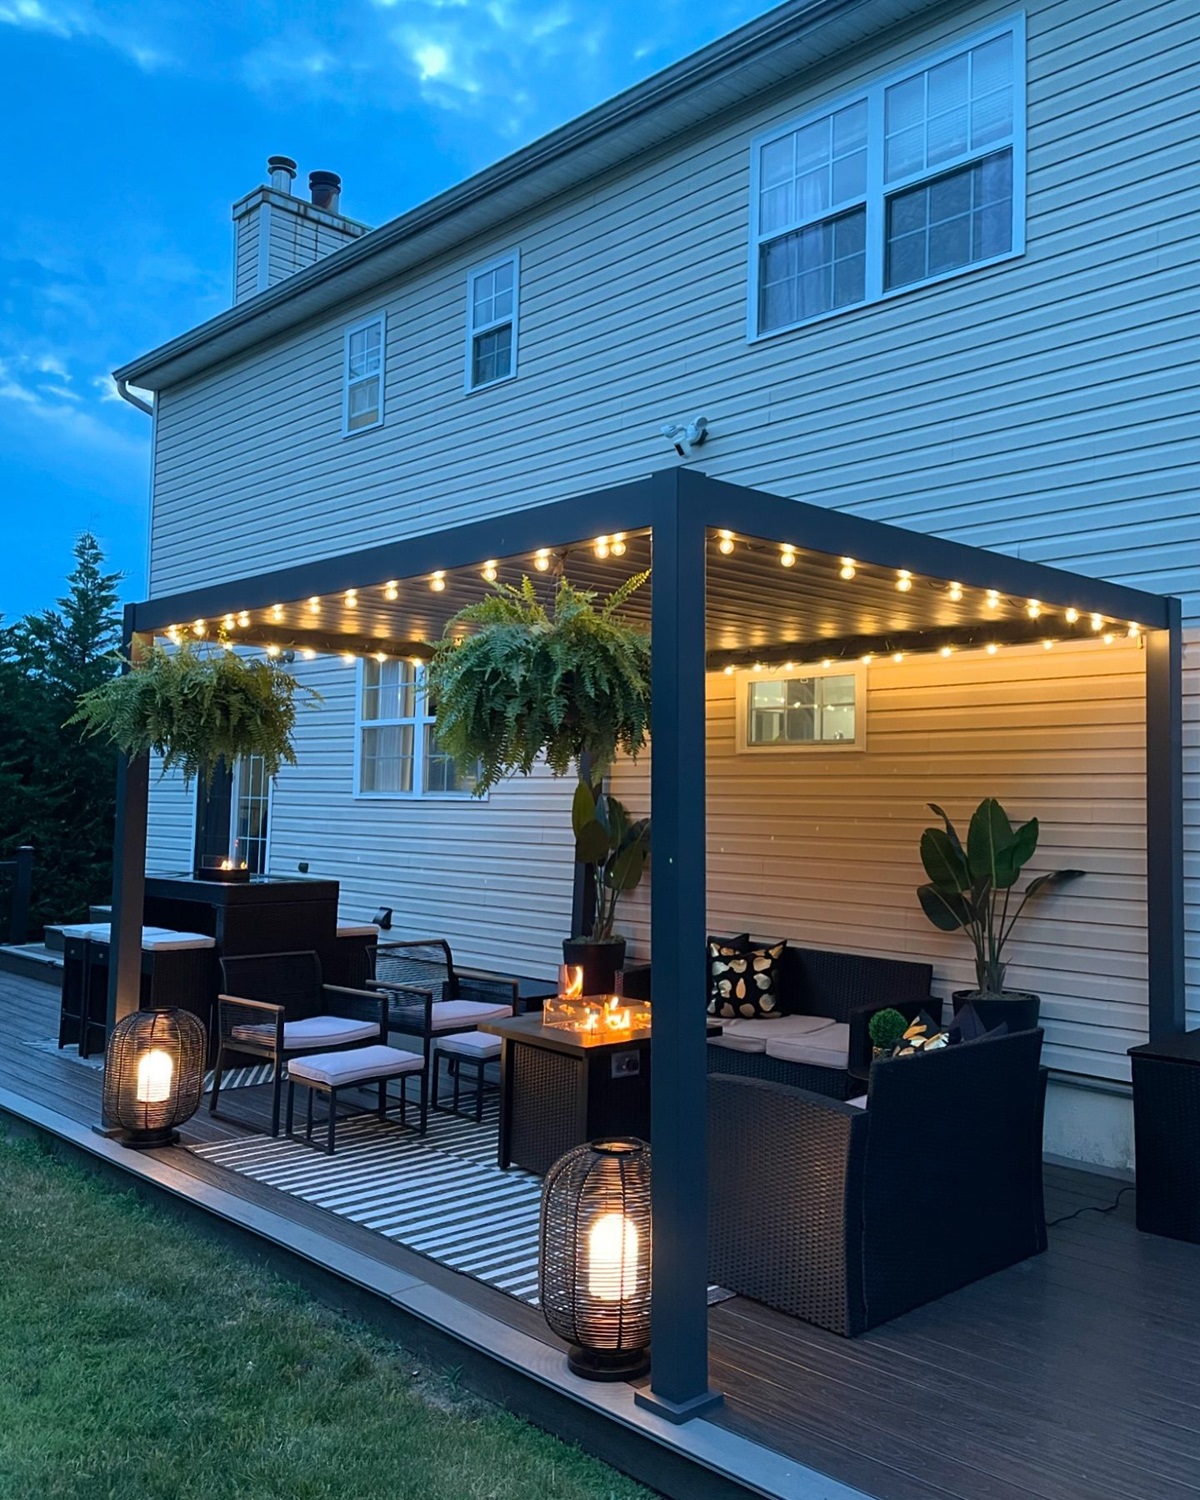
{"type": "Point", "coordinates": [686, 438]}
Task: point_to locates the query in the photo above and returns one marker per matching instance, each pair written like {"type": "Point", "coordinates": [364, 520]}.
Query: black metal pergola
{"type": "Point", "coordinates": [675, 517]}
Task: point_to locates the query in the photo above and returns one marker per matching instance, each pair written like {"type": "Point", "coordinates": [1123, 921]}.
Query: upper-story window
{"type": "Point", "coordinates": [916, 178]}
{"type": "Point", "coordinates": [493, 293]}
{"type": "Point", "coordinates": [362, 375]}
{"type": "Point", "coordinates": [397, 751]}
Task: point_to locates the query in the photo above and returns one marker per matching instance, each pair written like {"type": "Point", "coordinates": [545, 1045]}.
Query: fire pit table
{"type": "Point", "coordinates": [566, 1079]}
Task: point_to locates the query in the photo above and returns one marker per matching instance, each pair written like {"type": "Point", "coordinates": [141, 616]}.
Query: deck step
{"type": "Point", "coordinates": [32, 961]}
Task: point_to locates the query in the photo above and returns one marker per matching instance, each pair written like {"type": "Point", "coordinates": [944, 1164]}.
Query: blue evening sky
{"type": "Point", "coordinates": [128, 130]}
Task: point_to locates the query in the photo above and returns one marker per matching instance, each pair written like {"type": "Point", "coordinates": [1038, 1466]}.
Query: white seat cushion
{"type": "Point", "coordinates": [470, 1044]}
{"type": "Point", "coordinates": [450, 1013]}
{"type": "Point", "coordinates": [316, 1031]}
{"type": "Point", "coordinates": [827, 1048]}
{"type": "Point", "coordinates": [753, 1035]}
{"type": "Point", "coordinates": [337, 1068]}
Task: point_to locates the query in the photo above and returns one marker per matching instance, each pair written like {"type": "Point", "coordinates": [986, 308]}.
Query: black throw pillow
{"type": "Point", "coordinates": [735, 943]}
{"type": "Point", "coordinates": [744, 981]}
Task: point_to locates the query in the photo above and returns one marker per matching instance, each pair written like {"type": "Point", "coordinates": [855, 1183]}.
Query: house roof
{"type": "Point", "coordinates": [779, 45]}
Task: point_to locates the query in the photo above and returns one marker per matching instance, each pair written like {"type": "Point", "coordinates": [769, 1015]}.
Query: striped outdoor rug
{"type": "Point", "coordinates": [443, 1196]}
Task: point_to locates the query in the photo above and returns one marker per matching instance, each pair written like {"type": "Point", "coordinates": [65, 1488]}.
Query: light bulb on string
{"type": "Point", "coordinates": [991, 648]}
{"type": "Point", "coordinates": [725, 544]}
{"type": "Point", "coordinates": [787, 556]}
{"type": "Point", "coordinates": [946, 651]}
{"type": "Point", "coordinates": [277, 612]}
{"type": "Point", "coordinates": [1034, 609]}
{"type": "Point", "coordinates": [489, 571]}
{"type": "Point", "coordinates": [847, 569]}
{"type": "Point", "coordinates": [993, 599]}
{"type": "Point", "coordinates": [1097, 623]}
{"type": "Point", "coordinates": [600, 547]}
{"type": "Point", "coordinates": [955, 592]}
{"type": "Point", "coordinates": [391, 591]}
{"type": "Point", "coordinates": [541, 559]}
{"type": "Point", "coordinates": [314, 605]}
{"type": "Point", "coordinates": [243, 619]}
{"type": "Point", "coordinates": [199, 629]}
{"type": "Point", "coordinates": [351, 598]}
{"type": "Point", "coordinates": [438, 582]}
{"type": "Point", "coordinates": [1072, 616]}
{"type": "Point", "coordinates": [903, 580]}
{"type": "Point", "coordinates": [618, 544]}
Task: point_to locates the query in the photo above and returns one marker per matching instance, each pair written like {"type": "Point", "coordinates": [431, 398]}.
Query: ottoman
{"type": "Point", "coordinates": [356, 1067]}
{"type": "Point", "coordinates": [468, 1049]}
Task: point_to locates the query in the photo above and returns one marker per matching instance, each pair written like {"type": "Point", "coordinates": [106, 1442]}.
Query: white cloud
{"type": "Point", "coordinates": [66, 415]}
{"type": "Point", "coordinates": [71, 21]}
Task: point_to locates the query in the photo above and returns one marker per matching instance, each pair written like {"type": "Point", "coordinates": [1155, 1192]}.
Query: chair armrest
{"type": "Point", "coordinates": [477, 985]}
{"type": "Point", "coordinates": [859, 1053]}
{"type": "Point", "coordinates": [233, 1010]}
{"type": "Point", "coordinates": [363, 1005]}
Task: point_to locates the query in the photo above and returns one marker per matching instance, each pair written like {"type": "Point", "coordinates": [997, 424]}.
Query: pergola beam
{"type": "Point", "coordinates": [129, 863]}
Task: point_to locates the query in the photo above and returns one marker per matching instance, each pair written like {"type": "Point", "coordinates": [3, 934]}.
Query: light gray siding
{"type": "Point", "coordinates": [245, 256]}
{"type": "Point", "coordinates": [1044, 407]}
{"type": "Point", "coordinates": [171, 837]}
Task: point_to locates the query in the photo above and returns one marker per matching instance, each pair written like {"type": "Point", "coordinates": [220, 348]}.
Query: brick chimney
{"type": "Point", "coordinates": [276, 233]}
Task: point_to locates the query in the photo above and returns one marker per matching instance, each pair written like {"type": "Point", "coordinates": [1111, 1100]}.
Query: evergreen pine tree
{"type": "Point", "coordinates": [57, 788]}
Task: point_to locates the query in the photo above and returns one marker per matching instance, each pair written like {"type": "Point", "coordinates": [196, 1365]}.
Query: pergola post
{"type": "Point", "coordinates": [679, 1374]}
{"type": "Point", "coordinates": [129, 865]}
{"type": "Point", "coordinates": [1167, 999]}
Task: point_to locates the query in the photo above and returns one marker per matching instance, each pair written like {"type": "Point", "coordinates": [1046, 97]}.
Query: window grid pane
{"type": "Point", "coordinates": [806, 173]}
{"type": "Point", "coordinates": [491, 356]}
{"type": "Point", "coordinates": [955, 107]}
{"type": "Point", "coordinates": [387, 759]}
{"type": "Point", "coordinates": [802, 711]}
{"type": "Point", "coordinates": [812, 271]}
{"type": "Point", "coordinates": [956, 220]}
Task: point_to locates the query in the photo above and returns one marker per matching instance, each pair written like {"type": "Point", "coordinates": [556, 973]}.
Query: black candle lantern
{"type": "Point", "coordinates": [153, 1074]}
{"type": "Point", "coordinates": [594, 1265]}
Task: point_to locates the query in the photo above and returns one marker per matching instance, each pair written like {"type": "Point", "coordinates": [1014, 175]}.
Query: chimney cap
{"type": "Point", "coordinates": [325, 189]}
{"type": "Point", "coordinates": [281, 164]}
{"type": "Point", "coordinates": [281, 172]}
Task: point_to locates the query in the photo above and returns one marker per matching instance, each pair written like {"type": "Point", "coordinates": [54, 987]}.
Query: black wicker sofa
{"type": "Point", "coordinates": [826, 1001]}
{"type": "Point", "coordinates": [848, 1216]}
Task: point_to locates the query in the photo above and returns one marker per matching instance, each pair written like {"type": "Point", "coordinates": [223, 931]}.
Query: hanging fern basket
{"type": "Point", "coordinates": [512, 680]}
{"type": "Point", "coordinates": [196, 707]}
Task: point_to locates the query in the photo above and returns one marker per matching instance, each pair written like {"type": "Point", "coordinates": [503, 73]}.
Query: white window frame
{"type": "Point", "coordinates": [420, 720]}
{"type": "Point", "coordinates": [376, 319]}
{"type": "Point", "coordinates": [237, 787]}
{"type": "Point", "coordinates": [513, 258]}
{"type": "Point", "coordinates": [743, 680]}
{"type": "Point", "coordinates": [878, 190]}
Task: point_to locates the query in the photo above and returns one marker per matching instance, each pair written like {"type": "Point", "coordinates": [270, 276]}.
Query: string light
{"type": "Point", "coordinates": [1135, 630]}
{"type": "Point", "coordinates": [946, 651]}
{"type": "Point", "coordinates": [244, 619]}
{"type": "Point", "coordinates": [1034, 609]}
{"type": "Point", "coordinates": [314, 605]}
{"type": "Point", "coordinates": [903, 580]}
{"type": "Point", "coordinates": [228, 645]}
{"type": "Point", "coordinates": [897, 656]}
{"type": "Point", "coordinates": [991, 648]}
{"type": "Point", "coordinates": [391, 591]}
{"type": "Point", "coordinates": [993, 599]}
{"type": "Point", "coordinates": [277, 612]}
{"type": "Point", "coordinates": [1097, 623]}
{"type": "Point", "coordinates": [956, 592]}
{"type": "Point", "coordinates": [758, 666]}
{"type": "Point", "coordinates": [827, 663]}
{"type": "Point", "coordinates": [1108, 637]}
{"type": "Point", "coordinates": [618, 544]}
{"type": "Point", "coordinates": [415, 661]}
{"type": "Point", "coordinates": [199, 628]}
{"type": "Point", "coordinates": [787, 556]}
{"type": "Point", "coordinates": [381, 656]}
{"type": "Point", "coordinates": [847, 569]}
{"type": "Point", "coordinates": [725, 545]}
{"type": "Point", "coordinates": [490, 572]}
{"type": "Point", "coordinates": [789, 666]}
{"type": "Point", "coordinates": [227, 622]}
{"type": "Point", "coordinates": [600, 546]}
{"type": "Point", "coordinates": [541, 559]}
{"type": "Point", "coordinates": [438, 582]}
{"type": "Point", "coordinates": [351, 598]}
{"type": "Point", "coordinates": [1047, 644]}
{"type": "Point", "coordinates": [272, 650]}
{"type": "Point", "coordinates": [308, 653]}
{"type": "Point", "coordinates": [1072, 616]}
{"type": "Point", "coordinates": [348, 658]}
{"type": "Point", "coordinates": [867, 659]}
{"type": "Point", "coordinates": [729, 671]}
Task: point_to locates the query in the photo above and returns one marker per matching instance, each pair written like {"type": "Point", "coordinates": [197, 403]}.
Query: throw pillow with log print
{"type": "Point", "coordinates": [745, 981]}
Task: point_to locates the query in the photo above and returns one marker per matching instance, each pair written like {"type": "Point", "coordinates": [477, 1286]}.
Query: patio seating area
{"type": "Point", "coordinates": [1043, 1380]}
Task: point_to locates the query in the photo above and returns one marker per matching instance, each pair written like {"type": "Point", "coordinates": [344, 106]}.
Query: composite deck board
{"type": "Point", "coordinates": [1074, 1376]}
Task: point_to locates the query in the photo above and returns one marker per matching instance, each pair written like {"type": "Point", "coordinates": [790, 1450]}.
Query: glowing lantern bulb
{"type": "Point", "coordinates": [155, 1071]}
{"type": "Point", "coordinates": [612, 1258]}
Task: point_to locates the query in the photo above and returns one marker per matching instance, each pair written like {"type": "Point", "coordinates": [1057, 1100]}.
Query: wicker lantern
{"type": "Point", "coordinates": [153, 1074]}
{"type": "Point", "coordinates": [594, 1265]}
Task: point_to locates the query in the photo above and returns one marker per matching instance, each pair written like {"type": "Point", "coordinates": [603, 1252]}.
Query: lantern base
{"type": "Point", "coordinates": [594, 1364]}
{"type": "Point", "coordinates": [146, 1140]}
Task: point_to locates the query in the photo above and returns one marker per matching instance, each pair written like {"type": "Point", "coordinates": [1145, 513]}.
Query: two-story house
{"type": "Point", "coordinates": [925, 263]}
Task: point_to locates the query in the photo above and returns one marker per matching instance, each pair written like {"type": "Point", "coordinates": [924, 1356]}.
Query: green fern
{"type": "Point", "coordinates": [512, 681]}
{"type": "Point", "coordinates": [195, 707]}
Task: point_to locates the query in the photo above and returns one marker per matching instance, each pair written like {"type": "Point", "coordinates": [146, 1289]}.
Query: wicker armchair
{"type": "Point", "coordinates": [275, 1006]}
{"type": "Point", "coordinates": [848, 1217]}
{"type": "Point", "coordinates": [427, 997]}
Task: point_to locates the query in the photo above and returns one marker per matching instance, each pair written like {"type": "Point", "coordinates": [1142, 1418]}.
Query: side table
{"type": "Point", "coordinates": [1166, 1127]}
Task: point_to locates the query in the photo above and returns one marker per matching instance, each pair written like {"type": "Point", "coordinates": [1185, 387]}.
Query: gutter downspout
{"type": "Point", "coordinates": [127, 395]}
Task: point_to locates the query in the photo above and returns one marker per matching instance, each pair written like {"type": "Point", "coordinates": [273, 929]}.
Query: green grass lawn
{"type": "Point", "coordinates": [138, 1361]}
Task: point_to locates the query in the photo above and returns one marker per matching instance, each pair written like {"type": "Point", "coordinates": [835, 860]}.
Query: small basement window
{"type": "Point", "coordinates": [802, 709]}
{"type": "Point", "coordinates": [363, 375]}
{"type": "Point", "coordinates": [493, 292]}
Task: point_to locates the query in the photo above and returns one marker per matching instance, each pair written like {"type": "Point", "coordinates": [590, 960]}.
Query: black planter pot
{"type": "Point", "coordinates": [1017, 1009]}
{"type": "Point", "coordinates": [599, 961]}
